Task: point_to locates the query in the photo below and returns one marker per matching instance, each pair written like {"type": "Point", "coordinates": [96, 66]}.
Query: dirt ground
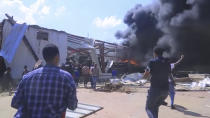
{"type": "Point", "coordinates": [191, 104]}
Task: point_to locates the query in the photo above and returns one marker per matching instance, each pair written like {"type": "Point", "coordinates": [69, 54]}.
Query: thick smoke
{"type": "Point", "coordinates": [180, 26]}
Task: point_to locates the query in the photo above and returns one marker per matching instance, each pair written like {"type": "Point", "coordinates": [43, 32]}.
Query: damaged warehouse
{"type": "Point", "coordinates": [35, 38]}
{"type": "Point", "coordinates": [31, 45]}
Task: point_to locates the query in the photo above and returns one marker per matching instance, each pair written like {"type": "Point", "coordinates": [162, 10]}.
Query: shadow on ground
{"type": "Point", "coordinates": [188, 112]}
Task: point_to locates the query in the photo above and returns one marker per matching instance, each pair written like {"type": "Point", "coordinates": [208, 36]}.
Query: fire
{"type": "Point", "coordinates": [131, 62]}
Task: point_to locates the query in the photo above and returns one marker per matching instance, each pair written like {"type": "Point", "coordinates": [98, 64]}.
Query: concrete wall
{"type": "Point", "coordinates": [54, 37]}
{"type": "Point", "coordinates": [23, 56]}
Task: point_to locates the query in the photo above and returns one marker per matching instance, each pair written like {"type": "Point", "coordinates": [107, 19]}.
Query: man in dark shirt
{"type": "Point", "coordinates": [159, 69]}
{"type": "Point", "coordinates": [47, 91]}
{"type": "Point", "coordinates": [7, 81]}
{"type": "Point", "coordinates": [2, 69]}
{"type": "Point", "coordinates": [68, 66]}
{"type": "Point", "coordinates": [25, 71]}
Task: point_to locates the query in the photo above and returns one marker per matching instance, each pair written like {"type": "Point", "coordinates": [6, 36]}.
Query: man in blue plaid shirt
{"type": "Point", "coordinates": [47, 91]}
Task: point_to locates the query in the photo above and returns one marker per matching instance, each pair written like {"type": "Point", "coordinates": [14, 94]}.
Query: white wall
{"type": "Point", "coordinates": [23, 56]}
{"type": "Point", "coordinates": [54, 37]}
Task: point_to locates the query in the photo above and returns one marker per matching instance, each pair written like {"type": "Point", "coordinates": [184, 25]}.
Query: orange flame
{"type": "Point", "coordinates": [131, 62]}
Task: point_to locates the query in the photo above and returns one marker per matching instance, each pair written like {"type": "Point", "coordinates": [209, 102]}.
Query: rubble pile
{"type": "Point", "coordinates": [203, 84]}
{"type": "Point", "coordinates": [127, 83]}
{"type": "Point", "coordinates": [133, 79]}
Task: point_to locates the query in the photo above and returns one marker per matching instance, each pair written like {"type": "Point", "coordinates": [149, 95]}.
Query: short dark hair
{"type": "Point", "coordinates": [49, 52]}
{"type": "Point", "coordinates": [159, 51]}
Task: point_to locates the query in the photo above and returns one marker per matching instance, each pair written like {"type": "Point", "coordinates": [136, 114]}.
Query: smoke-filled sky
{"type": "Point", "coordinates": [180, 26]}
{"type": "Point", "coordinates": [98, 19]}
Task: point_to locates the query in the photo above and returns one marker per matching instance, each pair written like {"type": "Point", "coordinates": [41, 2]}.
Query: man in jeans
{"type": "Point", "coordinates": [159, 69]}
{"type": "Point", "coordinates": [86, 75]}
{"type": "Point", "coordinates": [95, 76]}
{"type": "Point", "coordinates": [47, 91]}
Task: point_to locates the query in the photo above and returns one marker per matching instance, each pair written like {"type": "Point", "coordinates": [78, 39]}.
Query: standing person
{"type": "Point", "coordinates": [25, 71]}
{"type": "Point", "coordinates": [68, 66]}
{"type": "Point", "coordinates": [95, 76]}
{"type": "Point", "coordinates": [2, 70]}
{"type": "Point", "coordinates": [2, 66]}
{"type": "Point", "coordinates": [47, 91]}
{"type": "Point", "coordinates": [80, 71]}
{"type": "Point", "coordinates": [172, 83]}
{"type": "Point", "coordinates": [76, 74]}
{"type": "Point", "coordinates": [114, 73]}
{"type": "Point", "coordinates": [7, 81]}
{"type": "Point", "coordinates": [86, 75]}
{"type": "Point", "coordinates": [159, 69]}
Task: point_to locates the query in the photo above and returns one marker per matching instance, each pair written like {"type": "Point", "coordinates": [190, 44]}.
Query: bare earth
{"type": "Point", "coordinates": [192, 104]}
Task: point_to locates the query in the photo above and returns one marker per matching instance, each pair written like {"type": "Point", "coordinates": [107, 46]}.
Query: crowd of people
{"type": "Point", "coordinates": [81, 73]}
{"type": "Point", "coordinates": [47, 91]}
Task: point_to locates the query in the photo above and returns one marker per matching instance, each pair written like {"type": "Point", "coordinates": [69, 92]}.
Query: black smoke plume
{"type": "Point", "coordinates": [179, 26]}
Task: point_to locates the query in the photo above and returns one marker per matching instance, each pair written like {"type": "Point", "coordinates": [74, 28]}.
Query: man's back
{"type": "Point", "coordinates": [160, 70]}
{"type": "Point", "coordinates": [45, 93]}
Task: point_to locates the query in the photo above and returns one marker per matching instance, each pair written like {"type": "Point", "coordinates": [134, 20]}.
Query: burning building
{"type": "Point", "coordinates": [179, 26]}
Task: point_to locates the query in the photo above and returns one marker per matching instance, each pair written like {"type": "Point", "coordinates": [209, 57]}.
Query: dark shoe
{"type": "Point", "coordinates": [164, 103]}
{"type": "Point", "coordinates": [173, 107]}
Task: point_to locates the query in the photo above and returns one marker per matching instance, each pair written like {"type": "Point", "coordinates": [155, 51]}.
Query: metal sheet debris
{"type": "Point", "coordinates": [82, 111]}
{"type": "Point", "coordinates": [134, 78]}
{"type": "Point", "coordinates": [200, 85]}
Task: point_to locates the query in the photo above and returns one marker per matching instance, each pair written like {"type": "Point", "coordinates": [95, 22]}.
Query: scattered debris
{"type": "Point", "coordinates": [184, 79]}
{"type": "Point", "coordinates": [134, 79]}
{"type": "Point", "coordinates": [208, 106]}
{"type": "Point", "coordinates": [82, 111]}
{"type": "Point", "coordinates": [200, 85]}
{"type": "Point", "coordinates": [198, 77]}
{"type": "Point", "coordinates": [127, 83]}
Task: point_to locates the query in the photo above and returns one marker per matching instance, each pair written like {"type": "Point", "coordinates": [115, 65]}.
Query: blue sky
{"type": "Point", "coordinates": [98, 19]}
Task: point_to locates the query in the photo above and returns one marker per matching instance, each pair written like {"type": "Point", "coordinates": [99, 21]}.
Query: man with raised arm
{"type": "Point", "coordinates": [159, 69]}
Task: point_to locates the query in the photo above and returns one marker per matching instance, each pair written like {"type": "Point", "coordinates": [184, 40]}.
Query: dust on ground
{"type": "Point", "coordinates": [189, 104]}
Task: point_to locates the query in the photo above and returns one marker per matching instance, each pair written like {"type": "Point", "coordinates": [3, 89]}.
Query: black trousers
{"type": "Point", "coordinates": [86, 79]}
{"type": "Point", "coordinates": [155, 98]}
